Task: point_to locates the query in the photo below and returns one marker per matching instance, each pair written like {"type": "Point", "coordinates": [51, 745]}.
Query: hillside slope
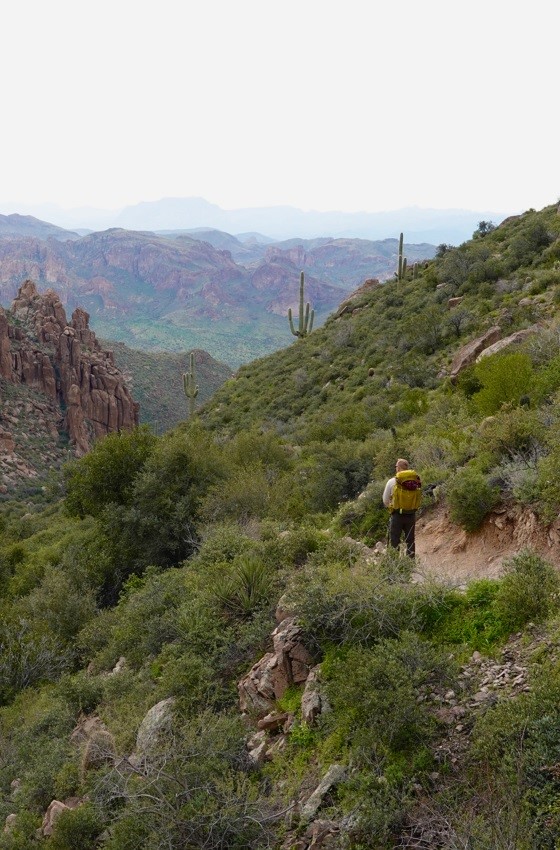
{"type": "Point", "coordinates": [205, 643]}
{"type": "Point", "coordinates": [156, 380]}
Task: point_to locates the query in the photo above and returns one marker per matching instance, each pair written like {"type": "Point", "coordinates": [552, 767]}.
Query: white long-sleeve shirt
{"type": "Point", "coordinates": [388, 492]}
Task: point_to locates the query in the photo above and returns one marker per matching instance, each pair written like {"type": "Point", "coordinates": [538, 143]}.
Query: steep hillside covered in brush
{"type": "Point", "coordinates": [205, 643]}
{"type": "Point", "coordinates": [156, 380]}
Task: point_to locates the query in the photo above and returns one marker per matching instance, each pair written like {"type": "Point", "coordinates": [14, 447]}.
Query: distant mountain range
{"type": "Point", "coordinates": [452, 226]}
{"type": "Point", "coordinates": [175, 291]}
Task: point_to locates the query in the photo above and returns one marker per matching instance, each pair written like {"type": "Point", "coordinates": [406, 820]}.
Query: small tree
{"type": "Point", "coordinates": [484, 227]}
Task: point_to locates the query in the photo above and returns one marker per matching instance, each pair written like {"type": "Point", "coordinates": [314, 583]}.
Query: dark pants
{"type": "Point", "coordinates": [402, 524]}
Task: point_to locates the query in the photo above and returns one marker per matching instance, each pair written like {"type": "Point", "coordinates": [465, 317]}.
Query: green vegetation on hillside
{"type": "Point", "coordinates": [155, 380]}
{"type": "Point", "coordinates": [157, 576]}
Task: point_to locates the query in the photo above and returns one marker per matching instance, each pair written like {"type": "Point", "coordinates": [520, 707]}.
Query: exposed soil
{"type": "Point", "coordinates": [443, 549]}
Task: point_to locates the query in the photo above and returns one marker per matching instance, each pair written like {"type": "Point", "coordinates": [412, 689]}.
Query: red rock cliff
{"type": "Point", "coordinates": [64, 361]}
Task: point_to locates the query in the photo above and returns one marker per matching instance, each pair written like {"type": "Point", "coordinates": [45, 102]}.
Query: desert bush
{"type": "Point", "coordinates": [365, 518]}
{"type": "Point", "coordinates": [23, 835]}
{"type": "Point", "coordinates": [243, 495]}
{"type": "Point", "coordinates": [160, 524]}
{"type": "Point", "coordinates": [75, 828]}
{"type": "Point", "coordinates": [27, 657]}
{"type": "Point", "coordinates": [470, 497]}
{"type": "Point", "coordinates": [199, 795]}
{"type": "Point", "coordinates": [342, 600]}
{"type": "Point", "coordinates": [107, 473]}
{"type": "Point", "coordinates": [514, 749]}
{"type": "Point", "coordinates": [512, 433]}
{"type": "Point", "coordinates": [505, 379]}
{"type": "Point", "coordinates": [290, 547]}
{"type": "Point", "coordinates": [81, 691]}
{"type": "Point", "coordinates": [59, 606]}
{"type": "Point", "coordinates": [374, 695]}
{"type": "Point", "coordinates": [547, 488]}
{"type": "Point", "coordinates": [143, 621]}
{"type": "Point", "coordinates": [528, 591]}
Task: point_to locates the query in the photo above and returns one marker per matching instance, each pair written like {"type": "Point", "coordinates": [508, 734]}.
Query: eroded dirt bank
{"type": "Point", "coordinates": [445, 550]}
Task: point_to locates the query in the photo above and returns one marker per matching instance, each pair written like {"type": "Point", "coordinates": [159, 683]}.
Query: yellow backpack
{"type": "Point", "coordinates": [407, 493]}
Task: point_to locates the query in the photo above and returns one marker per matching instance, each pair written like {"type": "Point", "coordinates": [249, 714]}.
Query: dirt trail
{"type": "Point", "coordinates": [445, 550]}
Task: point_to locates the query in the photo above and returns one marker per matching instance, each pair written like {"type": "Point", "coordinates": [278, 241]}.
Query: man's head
{"type": "Point", "coordinates": [401, 464]}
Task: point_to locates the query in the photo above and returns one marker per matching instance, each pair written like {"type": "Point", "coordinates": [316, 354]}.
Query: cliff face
{"type": "Point", "coordinates": [63, 362]}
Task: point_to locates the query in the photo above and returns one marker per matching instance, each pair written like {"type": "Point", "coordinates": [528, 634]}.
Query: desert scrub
{"type": "Point", "coordinates": [470, 619]}
{"type": "Point", "coordinates": [365, 518]}
{"type": "Point", "coordinates": [341, 599]}
{"type": "Point", "coordinates": [528, 591]}
{"type": "Point", "coordinates": [374, 695]}
{"type": "Point", "coordinates": [470, 497]}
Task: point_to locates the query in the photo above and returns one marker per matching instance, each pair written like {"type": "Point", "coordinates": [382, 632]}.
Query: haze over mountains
{"type": "Point", "coordinates": [452, 226]}
{"type": "Point", "coordinates": [207, 289]}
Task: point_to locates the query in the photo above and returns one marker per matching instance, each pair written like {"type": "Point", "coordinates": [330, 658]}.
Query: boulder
{"type": "Point", "coordinates": [51, 816]}
{"type": "Point", "coordinates": [86, 727]}
{"type": "Point", "coordinates": [311, 702]}
{"type": "Point", "coordinates": [10, 823]}
{"type": "Point", "coordinates": [335, 774]}
{"type": "Point", "coordinates": [467, 355]}
{"type": "Point", "coordinates": [514, 339]}
{"type": "Point", "coordinates": [454, 302]}
{"type": "Point", "coordinates": [154, 725]}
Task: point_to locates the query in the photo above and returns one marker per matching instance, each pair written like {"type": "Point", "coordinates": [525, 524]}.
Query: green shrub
{"type": "Point", "coordinates": [246, 586]}
{"type": "Point", "coordinates": [197, 798]}
{"type": "Point", "coordinates": [528, 591]}
{"type": "Point", "coordinates": [470, 618]}
{"type": "Point", "coordinates": [76, 828]}
{"type": "Point", "coordinates": [28, 656]}
{"type": "Point", "coordinates": [374, 694]}
{"type": "Point", "coordinates": [107, 473]}
{"type": "Point", "coordinates": [342, 600]}
{"type": "Point", "coordinates": [470, 497]}
{"type": "Point", "coordinates": [505, 379]}
{"type": "Point", "coordinates": [365, 518]}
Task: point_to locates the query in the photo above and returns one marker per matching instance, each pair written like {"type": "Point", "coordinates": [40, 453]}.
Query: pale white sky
{"type": "Point", "coordinates": [321, 104]}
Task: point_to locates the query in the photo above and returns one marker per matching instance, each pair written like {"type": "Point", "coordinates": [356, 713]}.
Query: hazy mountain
{"type": "Point", "coordinates": [452, 226]}
{"type": "Point", "coordinates": [27, 225]}
{"type": "Point", "coordinates": [421, 225]}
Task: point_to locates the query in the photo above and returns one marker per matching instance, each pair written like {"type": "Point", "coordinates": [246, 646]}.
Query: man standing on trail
{"type": "Point", "coordinates": [402, 495]}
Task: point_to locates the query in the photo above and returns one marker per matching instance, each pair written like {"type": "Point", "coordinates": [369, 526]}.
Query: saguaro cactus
{"type": "Point", "coordinates": [190, 386]}
{"type": "Point", "coordinates": [305, 315]}
{"type": "Point", "coordinates": [401, 268]}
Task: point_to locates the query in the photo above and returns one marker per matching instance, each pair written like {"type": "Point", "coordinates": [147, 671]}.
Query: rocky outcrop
{"type": "Point", "coordinates": [288, 664]}
{"type": "Point", "coordinates": [514, 339]}
{"type": "Point", "coordinates": [55, 809]}
{"type": "Point", "coordinates": [63, 361]}
{"type": "Point", "coordinates": [467, 355]}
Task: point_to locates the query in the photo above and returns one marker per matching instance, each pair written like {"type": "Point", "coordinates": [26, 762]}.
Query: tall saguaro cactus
{"type": "Point", "coordinates": [306, 316]}
{"type": "Point", "coordinates": [190, 386]}
{"type": "Point", "coordinates": [401, 268]}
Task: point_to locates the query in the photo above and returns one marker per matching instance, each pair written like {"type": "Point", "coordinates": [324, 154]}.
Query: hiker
{"type": "Point", "coordinates": [402, 495]}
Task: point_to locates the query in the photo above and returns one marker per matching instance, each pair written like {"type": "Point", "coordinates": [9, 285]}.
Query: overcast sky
{"type": "Point", "coordinates": [347, 105]}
